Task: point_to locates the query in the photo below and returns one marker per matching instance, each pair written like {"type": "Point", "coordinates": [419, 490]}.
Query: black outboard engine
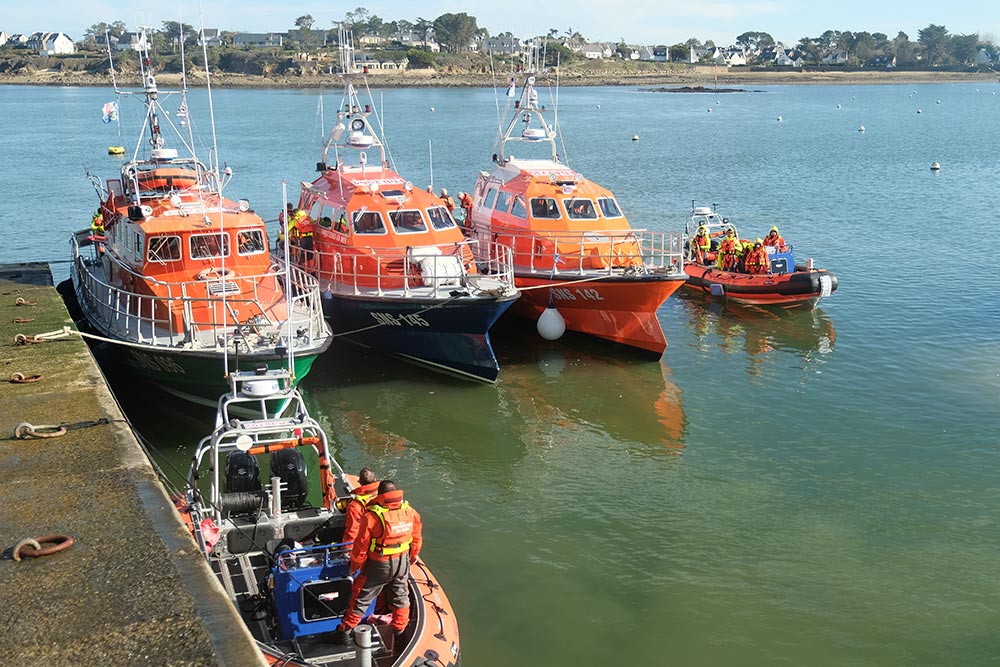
{"type": "Point", "coordinates": [289, 466]}
{"type": "Point", "coordinates": [242, 473]}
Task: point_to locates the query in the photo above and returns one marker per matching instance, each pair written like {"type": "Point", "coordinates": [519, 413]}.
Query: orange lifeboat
{"type": "Point", "coordinates": [574, 250]}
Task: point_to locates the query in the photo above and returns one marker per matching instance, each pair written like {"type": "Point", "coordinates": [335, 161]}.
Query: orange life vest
{"type": "Point", "coordinates": [305, 226]}
{"type": "Point", "coordinates": [397, 529]}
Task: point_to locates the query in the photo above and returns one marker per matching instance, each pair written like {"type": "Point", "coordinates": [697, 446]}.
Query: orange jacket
{"type": "Point", "coordinates": [775, 240]}
{"type": "Point", "coordinates": [360, 497]}
{"type": "Point", "coordinates": [757, 261]}
{"type": "Point", "coordinates": [388, 523]}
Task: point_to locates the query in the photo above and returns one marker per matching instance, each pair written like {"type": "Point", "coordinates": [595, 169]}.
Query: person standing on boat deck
{"type": "Point", "coordinates": [387, 544]}
{"type": "Point", "coordinates": [757, 260]}
{"type": "Point", "coordinates": [304, 230]}
{"type": "Point", "coordinates": [449, 203]}
{"type": "Point", "coordinates": [284, 220]}
{"type": "Point", "coordinates": [354, 504]}
{"type": "Point", "coordinates": [701, 244]}
{"type": "Point", "coordinates": [774, 239]}
{"type": "Point", "coordinates": [465, 201]}
{"type": "Point", "coordinates": [729, 251]}
{"type": "Point", "coordinates": [97, 224]}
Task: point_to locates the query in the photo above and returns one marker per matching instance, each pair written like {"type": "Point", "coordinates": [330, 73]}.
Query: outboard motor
{"type": "Point", "coordinates": [242, 473]}
{"type": "Point", "coordinates": [289, 466]}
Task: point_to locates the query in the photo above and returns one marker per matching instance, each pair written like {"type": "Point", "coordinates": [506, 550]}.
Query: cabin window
{"type": "Point", "coordinates": [491, 197]}
{"type": "Point", "coordinates": [341, 221]}
{"type": "Point", "coordinates": [518, 210]}
{"type": "Point", "coordinates": [440, 219]}
{"type": "Point", "coordinates": [609, 207]}
{"type": "Point", "coordinates": [580, 209]}
{"type": "Point", "coordinates": [368, 222]}
{"type": "Point", "coordinates": [164, 249]}
{"type": "Point", "coordinates": [209, 246]}
{"type": "Point", "coordinates": [503, 202]}
{"type": "Point", "coordinates": [407, 221]}
{"type": "Point", "coordinates": [250, 242]}
{"type": "Point", "coordinates": [544, 208]}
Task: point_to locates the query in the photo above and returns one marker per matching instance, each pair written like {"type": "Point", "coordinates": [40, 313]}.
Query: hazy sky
{"type": "Point", "coordinates": [642, 21]}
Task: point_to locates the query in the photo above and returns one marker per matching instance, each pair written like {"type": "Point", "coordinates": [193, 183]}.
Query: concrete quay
{"type": "Point", "coordinates": [133, 589]}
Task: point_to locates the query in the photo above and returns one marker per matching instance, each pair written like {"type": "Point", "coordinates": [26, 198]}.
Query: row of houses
{"type": "Point", "coordinates": [43, 43]}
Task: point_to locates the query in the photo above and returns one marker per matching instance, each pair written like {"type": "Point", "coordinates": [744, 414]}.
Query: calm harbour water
{"type": "Point", "coordinates": [802, 488]}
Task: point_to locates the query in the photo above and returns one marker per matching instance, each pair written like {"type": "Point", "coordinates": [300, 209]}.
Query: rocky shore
{"type": "Point", "coordinates": [704, 77]}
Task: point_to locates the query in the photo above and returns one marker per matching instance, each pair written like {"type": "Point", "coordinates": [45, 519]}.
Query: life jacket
{"type": "Point", "coordinates": [97, 224]}
{"type": "Point", "coordinates": [757, 261]}
{"type": "Point", "coordinates": [775, 240]}
{"type": "Point", "coordinates": [729, 251]}
{"type": "Point", "coordinates": [396, 517]}
{"type": "Point", "coordinates": [449, 203]}
{"type": "Point", "coordinates": [304, 225]}
{"type": "Point", "coordinates": [362, 494]}
{"type": "Point", "coordinates": [702, 242]}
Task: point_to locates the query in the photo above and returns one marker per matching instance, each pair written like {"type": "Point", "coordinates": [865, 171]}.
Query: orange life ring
{"type": "Point", "coordinates": [214, 273]}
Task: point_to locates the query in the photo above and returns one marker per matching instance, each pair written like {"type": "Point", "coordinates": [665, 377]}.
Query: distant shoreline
{"type": "Point", "coordinates": [703, 76]}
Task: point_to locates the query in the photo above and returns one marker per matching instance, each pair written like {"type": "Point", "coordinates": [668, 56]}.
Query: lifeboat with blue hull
{"type": "Point", "coordinates": [786, 285]}
{"type": "Point", "coordinates": [396, 270]}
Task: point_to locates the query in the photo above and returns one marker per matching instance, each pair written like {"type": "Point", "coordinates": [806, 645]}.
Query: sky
{"type": "Point", "coordinates": [641, 21]}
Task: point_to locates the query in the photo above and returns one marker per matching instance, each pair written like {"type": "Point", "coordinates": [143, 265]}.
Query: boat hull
{"type": "Point", "coordinates": [802, 287]}
{"type": "Point", "coordinates": [620, 309]}
{"type": "Point", "coordinates": [449, 335]}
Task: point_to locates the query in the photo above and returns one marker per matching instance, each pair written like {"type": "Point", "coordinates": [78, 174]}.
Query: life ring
{"type": "Point", "coordinates": [32, 547]}
{"type": "Point", "coordinates": [214, 273]}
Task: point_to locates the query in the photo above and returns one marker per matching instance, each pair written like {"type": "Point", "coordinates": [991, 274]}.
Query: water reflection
{"type": "Point", "coordinates": [757, 331]}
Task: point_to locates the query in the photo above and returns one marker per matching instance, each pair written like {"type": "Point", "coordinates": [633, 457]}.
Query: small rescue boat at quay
{"type": "Point", "coordinates": [574, 251]}
{"type": "Point", "coordinates": [278, 553]}
{"type": "Point", "coordinates": [783, 283]}
{"type": "Point", "coordinates": [396, 271]}
{"type": "Point", "coordinates": [179, 279]}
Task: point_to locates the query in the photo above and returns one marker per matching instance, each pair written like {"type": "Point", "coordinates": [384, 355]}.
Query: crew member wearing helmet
{"type": "Point", "coordinates": [729, 251]}
{"type": "Point", "coordinates": [448, 201]}
{"type": "Point", "coordinates": [700, 245]}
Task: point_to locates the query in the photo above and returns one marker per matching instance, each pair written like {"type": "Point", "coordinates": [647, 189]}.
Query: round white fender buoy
{"type": "Point", "coordinates": [838, 106]}
{"type": "Point", "coordinates": [935, 166]}
{"type": "Point", "coordinates": [779, 119]}
{"type": "Point", "coordinates": [598, 106]}
{"type": "Point", "coordinates": [939, 101]}
{"type": "Point", "coordinates": [709, 109]}
{"type": "Point", "coordinates": [920, 110]}
{"type": "Point", "coordinates": [635, 137]}
{"type": "Point", "coordinates": [717, 101]}
{"type": "Point", "coordinates": [432, 108]}
{"type": "Point", "coordinates": [861, 129]}
{"type": "Point", "coordinates": [551, 325]}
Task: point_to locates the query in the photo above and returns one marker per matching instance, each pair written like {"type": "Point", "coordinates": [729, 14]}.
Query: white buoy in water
{"type": "Point", "coordinates": [861, 129]}
{"type": "Point", "coordinates": [709, 109]}
{"type": "Point", "coordinates": [432, 108]}
{"type": "Point", "coordinates": [779, 119]}
{"type": "Point", "coordinates": [838, 106]}
{"type": "Point", "coordinates": [551, 325]}
{"type": "Point", "coordinates": [935, 166]}
{"type": "Point", "coordinates": [635, 137]}
{"type": "Point", "coordinates": [717, 101]}
{"type": "Point", "coordinates": [939, 101]}
{"type": "Point", "coordinates": [920, 110]}
{"type": "Point", "coordinates": [598, 106]}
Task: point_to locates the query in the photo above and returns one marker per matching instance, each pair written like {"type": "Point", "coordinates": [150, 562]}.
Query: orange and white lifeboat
{"type": "Point", "coordinates": [577, 260]}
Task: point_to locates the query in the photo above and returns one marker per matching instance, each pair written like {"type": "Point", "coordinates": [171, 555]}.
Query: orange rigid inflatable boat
{"type": "Point", "coordinates": [577, 260]}
{"type": "Point", "coordinates": [275, 546]}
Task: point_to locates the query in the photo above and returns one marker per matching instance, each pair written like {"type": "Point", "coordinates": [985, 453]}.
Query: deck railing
{"type": "Point", "coordinates": [196, 311]}
{"type": "Point", "coordinates": [601, 252]}
{"type": "Point", "coordinates": [417, 271]}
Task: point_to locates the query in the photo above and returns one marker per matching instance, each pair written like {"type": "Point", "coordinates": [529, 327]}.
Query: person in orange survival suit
{"type": "Point", "coordinates": [757, 260]}
{"type": "Point", "coordinates": [354, 504]}
{"type": "Point", "coordinates": [775, 239]}
{"type": "Point", "coordinates": [388, 542]}
{"type": "Point", "coordinates": [465, 201]}
{"type": "Point", "coordinates": [304, 230]}
{"type": "Point", "coordinates": [700, 245]}
{"type": "Point", "coordinates": [447, 200]}
{"type": "Point", "coordinates": [729, 251]}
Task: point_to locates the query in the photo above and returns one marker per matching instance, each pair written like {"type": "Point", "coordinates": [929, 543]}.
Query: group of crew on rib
{"type": "Point", "coordinates": [735, 254]}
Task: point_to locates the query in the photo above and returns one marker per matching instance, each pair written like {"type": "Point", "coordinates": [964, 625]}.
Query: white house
{"type": "Point", "coordinates": [134, 41]}
{"type": "Point", "coordinates": [4, 37]}
{"type": "Point", "coordinates": [50, 43]}
{"type": "Point", "coordinates": [209, 37]}
{"type": "Point", "coordinates": [736, 58]}
{"type": "Point", "coordinates": [252, 39]}
{"type": "Point", "coordinates": [984, 57]}
{"type": "Point", "coordinates": [17, 39]}
{"type": "Point", "coordinates": [835, 58]}
{"type": "Point", "coordinates": [506, 46]}
{"type": "Point", "coordinates": [596, 51]}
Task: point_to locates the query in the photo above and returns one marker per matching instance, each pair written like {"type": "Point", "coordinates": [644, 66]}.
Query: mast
{"type": "Point", "coordinates": [527, 114]}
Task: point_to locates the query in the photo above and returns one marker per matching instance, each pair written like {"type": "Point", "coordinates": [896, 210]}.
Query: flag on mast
{"type": "Point", "coordinates": [109, 112]}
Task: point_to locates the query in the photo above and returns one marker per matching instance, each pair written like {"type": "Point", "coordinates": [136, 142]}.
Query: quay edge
{"type": "Point", "coordinates": [133, 589]}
